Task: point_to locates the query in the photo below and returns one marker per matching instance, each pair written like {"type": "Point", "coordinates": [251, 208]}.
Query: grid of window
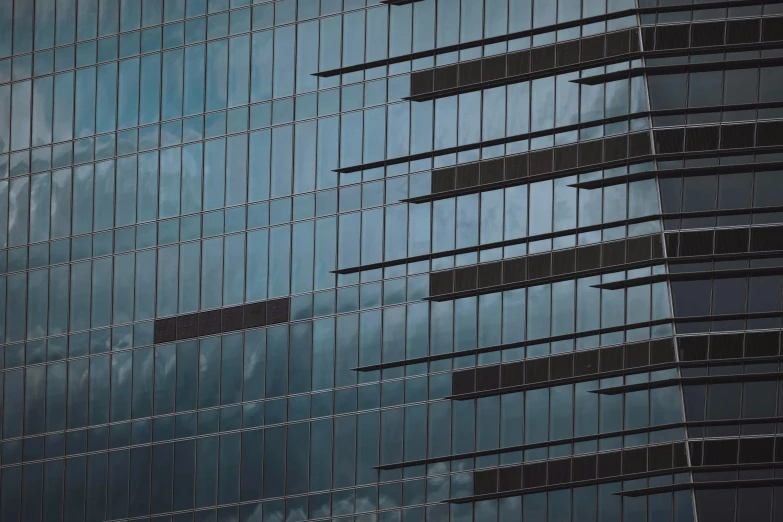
{"type": "Point", "coordinates": [254, 267]}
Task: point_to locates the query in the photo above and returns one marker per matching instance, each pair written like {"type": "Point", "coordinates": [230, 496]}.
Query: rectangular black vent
{"type": "Point", "coordinates": [701, 138]}
{"type": "Point", "coordinates": [542, 58]}
{"type": "Point", "coordinates": [743, 31]}
{"type": "Point", "coordinates": [209, 322]}
{"type": "Point", "coordinates": [660, 457]}
{"type": "Point", "coordinates": [761, 344]}
{"type": "Point", "coordinates": [661, 351]}
{"type": "Point", "coordinates": [639, 249]}
{"type": "Point", "coordinates": [772, 29]}
{"type": "Point", "coordinates": [442, 282]}
{"type": "Point", "coordinates": [672, 36]}
{"type": "Point", "coordinates": [726, 346]}
{"type": "Point", "coordinates": [537, 370]}
{"type": "Point", "coordinates": [669, 141]}
{"type": "Point", "coordinates": [584, 467]}
{"type": "Point", "coordinates": [485, 482]}
{"type": "Point", "coordinates": [566, 157]}
{"type": "Point", "coordinates": [446, 77]}
{"type": "Point", "coordinates": [764, 239]}
{"type": "Point", "coordinates": [494, 68]}
{"type": "Point", "coordinates": [568, 53]}
{"type": "Point", "coordinates": [491, 171]}
{"type": "Point", "coordinates": [736, 136]}
{"type": "Point", "coordinates": [693, 348]}
{"type": "Point", "coordinates": [559, 471]}
{"type": "Point", "coordinates": [609, 464]}
{"type": "Point", "coordinates": [187, 326]}
{"type": "Point", "coordinates": [591, 152]}
{"type": "Point", "coordinates": [516, 166]}
{"type": "Point", "coordinates": [540, 162]}
{"type": "Point", "coordinates": [637, 354]}
{"type": "Point", "coordinates": [757, 449]}
{"type": "Point", "coordinates": [463, 382]}
{"type": "Point", "coordinates": [165, 330]}
{"type": "Point", "coordinates": [443, 180]}
{"type": "Point", "coordinates": [512, 374]}
{"type": "Point", "coordinates": [421, 82]}
{"type": "Point", "coordinates": [255, 314]}
{"type": "Point", "coordinates": [562, 366]}
{"type": "Point", "coordinates": [648, 38]}
{"type": "Point", "coordinates": [586, 362]}
{"type": "Point", "coordinates": [672, 244]}
{"type": "Point", "coordinates": [705, 35]}
{"type": "Point", "coordinates": [616, 148]}
{"type": "Point", "coordinates": [613, 253]}
{"type": "Point", "coordinates": [563, 262]}
{"type": "Point", "coordinates": [588, 258]}
{"type": "Point", "coordinates": [638, 144]}
{"type": "Point", "coordinates": [696, 243]}
{"type": "Point", "coordinates": [488, 378]}
{"type": "Point", "coordinates": [509, 478]}
{"type": "Point", "coordinates": [277, 311]}
{"type": "Point", "coordinates": [519, 63]}
{"type": "Point", "coordinates": [770, 133]}
{"type": "Point", "coordinates": [592, 48]}
{"type": "Point", "coordinates": [731, 241]}
{"type": "Point", "coordinates": [618, 43]}
{"type": "Point", "coordinates": [514, 270]}
{"type": "Point", "coordinates": [539, 266]}
{"type": "Point", "coordinates": [717, 452]}
{"type": "Point", "coordinates": [534, 475]}
{"type": "Point", "coordinates": [465, 278]}
{"type": "Point", "coordinates": [634, 461]}
{"type": "Point", "coordinates": [232, 319]}
{"type": "Point", "coordinates": [468, 175]}
{"type": "Point", "coordinates": [470, 72]}
{"type": "Point", "coordinates": [490, 274]}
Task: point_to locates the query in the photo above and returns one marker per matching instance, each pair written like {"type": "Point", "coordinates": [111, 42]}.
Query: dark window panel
{"type": "Point", "coordinates": [166, 330]}
{"type": "Point", "coordinates": [618, 43]}
{"type": "Point", "coordinates": [443, 180]}
{"type": "Point", "coordinates": [669, 141]}
{"type": "Point", "coordinates": [672, 36]}
{"type": "Point", "coordinates": [693, 348]}
{"type": "Point", "coordinates": [588, 258]}
{"type": "Point", "coordinates": [494, 68]}
{"type": "Point", "coordinates": [756, 450]}
{"type": "Point", "coordinates": [534, 475]}
{"type": "Point", "coordinates": [696, 243]}
{"type": "Point", "coordinates": [468, 175]}
{"type": "Point", "coordinates": [648, 38]}
{"type": "Point", "coordinates": [537, 370]}
{"type": "Point", "coordinates": [514, 270]}
{"type": "Point", "coordinates": [187, 326]}
{"type": "Point", "coordinates": [540, 162]}
{"type": "Point", "coordinates": [421, 82]}
{"type": "Point", "coordinates": [542, 58]}
{"type": "Point", "coordinates": [485, 482]}
{"type": "Point", "coordinates": [463, 382]}
{"type": "Point", "coordinates": [563, 262]}
{"type": "Point", "coordinates": [766, 238]}
{"type": "Point", "coordinates": [707, 34]}
{"type": "Point", "coordinates": [680, 457]}
{"type": "Point", "coordinates": [639, 249]}
{"type": "Point", "coordinates": [559, 471]}
{"type": "Point", "coordinates": [731, 241]}
{"type": "Point", "coordinates": [512, 374]}
{"type": "Point", "coordinates": [613, 253]}
{"type": "Point", "coordinates": [660, 457]}
{"type": "Point", "coordinates": [779, 449]}
{"type": "Point", "coordinates": [442, 282]}
{"type": "Point", "coordinates": [701, 138]}
{"type": "Point", "coordinates": [492, 171]}
{"type": "Point", "coordinates": [465, 278]}
{"type": "Point", "coordinates": [568, 53]}
{"type": "Point", "coordinates": [612, 359]}
{"type": "Point", "coordinates": [772, 29]}
{"type": "Point", "coordinates": [616, 148]}
{"type": "Point", "coordinates": [490, 274]}
{"type": "Point", "coordinates": [255, 314]}
{"type": "Point", "coordinates": [586, 363]}
{"type": "Point", "coordinates": [638, 144]}
{"type": "Point", "coordinates": [762, 344]}
{"type": "Point", "coordinates": [726, 346]}
{"type": "Point", "coordinates": [657, 247]}
{"type": "Point", "coordinates": [661, 351]}
{"type": "Point", "coordinates": [510, 478]}
{"type": "Point", "coordinates": [516, 166]}
{"type": "Point", "coordinates": [743, 31]}
{"type": "Point", "coordinates": [446, 77]}
{"type": "Point", "coordinates": [584, 467]}
{"type": "Point", "coordinates": [566, 157]}
{"type": "Point", "coordinates": [635, 461]}
{"type": "Point", "coordinates": [592, 48]}
{"type": "Point", "coordinates": [609, 464]}
{"type": "Point", "coordinates": [672, 244]}
{"type": "Point", "coordinates": [562, 366]}
{"type": "Point", "coordinates": [539, 266]}
{"type": "Point", "coordinates": [736, 136]}
{"type": "Point", "coordinates": [209, 322]}
{"type": "Point", "coordinates": [718, 452]}
{"type": "Point", "coordinates": [636, 43]}
{"type": "Point", "coordinates": [637, 354]}
{"type": "Point", "coordinates": [470, 72]}
{"type": "Point", "coordinates": [770, 133]}
{"type": "Point", "coordinates": [277, 311]}
{"type": "Point", "coordinates": [487, 378]}
{"type": "Point", "coordinates": [519, 63]}
{"type": "Point", "coordinates": [696, 450]}
{"type": "Point", "coordinates": [590, 152]}
{"type": "Point", "coordinates": [233, 319]}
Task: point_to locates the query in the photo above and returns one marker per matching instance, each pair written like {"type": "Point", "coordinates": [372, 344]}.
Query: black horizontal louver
{"type": "Point", "coordinates": [562, 366]}
{"type": "Point", "coordinates": [470, 72]}
{"type": "Point", "coordinates": [165, 330]}
{"type": "Point", "coordinates": [772, 29]}
{"type": "Point", "coordinates": [726, 346]}
{"type": "Point", "coordinates": [255, 315]}
{"type": "Point", "coordinates": [693, 348]}
{"type": "Point", "coordinates": [463, 382]}
{"type": "Point", "coordinates": [660, 457]}
{"type": "Point", "coordinates": [613, 253]}
{"type": "Point", "coordinates": [468, 175]}
{"type": "Point", "coordinates": [609, 464]}
{"type": "Point", "coordinates": [669, 141]}
{"type": "Point", "coordinates": [584, 468]}
{"type": "Point", "coordinates": [566, 157]}
{"type": "Point", "coordinates": [510, 478]}
{"type": "Point", "coordinates": [731, 241]}
{"type": "Point", "coordinates": [542, 58]}
{"type": "Point", "coordinates": [770, 133]}
{"type": "Point", "coordinates": [421, 82]}
{"type": "Point", "coordinates": [639, 249]}
{"type": "Point", "coordinates": [657, 247]}
{"type": "Point", "coordinates": [648, 38]}
{"type": "Point", "coordinates": [487, 378]}
{"type": "Point", "coordinates": [516, 166]}
{"type": "Point", "coordinates": [465, 279]}
{"type": "Point", "coordinates": [567, 53]}
{"type": "Point", "coordinates": [743, 31]}
{"type": "Point", "coordinates": [701, 138]}
{"type": "Point", "coordinates": [514, 270]}
{"type": "Point", "coordinates": [540, 162]}
{"type": "Point", "coordinates": [762, 344]}
{"type": "Point", "coordinates": [539, 266]}
{"type": "Point", "coordinates": [616, 148]}
{"type": "Point", "coordinates": [736, 136]}
{"type": "Point", "coordinates": [446, 77]}
{"type": "Point", "coordinates": [443, 180]}
{"type": "Point", "coordinates": [512, 374]}
{"type": "Point", "coordinates": [672, 36]}
{"type": "Point", "coordinates": [764, 239]}
{"type": "Point", "coordinates": [233, 318]}
{"type": "Point", "coordinates": [636, 43]}
{"type": "Point", "coordinates": [209, 322]}
{"type": "Point", "coordinates": [563, 262]}
{"type": "Point", "coordinates": [634, 461]}
{"type": "Point", "coordinates": [707, 34]}
{"type": "Point", "coordinates": [187, 326]}
{"type": "Point", "coordinates": [720, 452]}
{"type": "Point", "coordinates": [519, 63]}
{"type": "Point", "coordinates": [672, 244]}
{"type": "Point", "coordinates": [591, 152]}
{"type": "Point", "coordinates": [618, 43]}
{"type": "Point", "coordinates": [611, 359]}
{"type": "Point", "coordinates": [537, 370]}
{"type": "Point", "coordinates": [490, 274]}
{"type": "Point", "coordinates": [491, 171]}
{"type": "Point", "coordinates": [559, 471]}
{"type": "Point", "coordinates": [661, 351]}
{"type": "Point", "coordinates": [485, 482]}
{"type": "Point", "coordinates": [588, 258]}
{"type": "Point", "coordinates": [441, 282]}
{"type": "Point", "coordinates": [638, 144]}
{"type": "Point", "coordinates": [696, 243]}
{"type": "Point", "coordinates": [637, 354]}
{"type": "Point", "coordinates": [756, 450]}
{"type": "Point", "coordinates": [534, 475]}
{"type": "Point", "coordinates": [494, 68]}
{"type": "Point", "coordinates": [592, 48]}
{"type": "Point", "coordinates": [586, 362]}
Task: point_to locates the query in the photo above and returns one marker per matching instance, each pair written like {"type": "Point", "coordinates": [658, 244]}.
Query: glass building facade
{"type": "Point", "coordinates": [391, 261]}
